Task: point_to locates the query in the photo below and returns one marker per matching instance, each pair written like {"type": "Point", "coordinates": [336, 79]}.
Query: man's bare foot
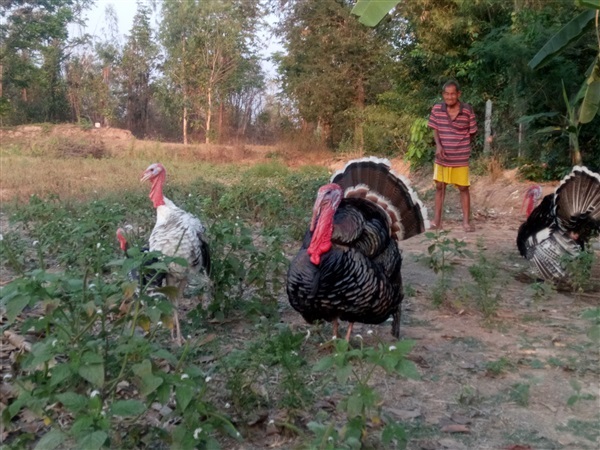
{"type": "Point", "coordinates": [468, 228]}
{"type": "Point", "coordinates": [434, 226]}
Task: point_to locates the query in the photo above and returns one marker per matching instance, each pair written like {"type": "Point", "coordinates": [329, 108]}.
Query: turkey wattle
{"type": "Point", "coordinates": [562, 224]}
{"type": "Point", "coordinates": [176, 233]}
{"type": "Point", "coordinates": [348, 267]}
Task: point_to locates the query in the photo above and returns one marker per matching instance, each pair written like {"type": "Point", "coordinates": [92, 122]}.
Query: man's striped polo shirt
{"type": "Point", "coordinates": [455, 135]}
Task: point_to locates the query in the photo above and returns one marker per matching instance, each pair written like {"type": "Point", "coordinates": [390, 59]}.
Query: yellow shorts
{"type": "Point", "coordinates": [451, 175]}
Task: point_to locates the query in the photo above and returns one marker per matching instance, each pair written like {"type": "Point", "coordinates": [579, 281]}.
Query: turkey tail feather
{"type": "Point", "coordinates": [373, 178]}
{"type": "Point", "coordinates": [577, 200]}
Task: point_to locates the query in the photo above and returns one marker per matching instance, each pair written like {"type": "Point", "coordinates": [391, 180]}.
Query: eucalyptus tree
{"type": "Point", "coordinates": [205, 42]}
{"type": "Point", "coordinates": [140, 56]}
{"type": "Point", "coordinates": [92, 75]}
{"type": "Point", "coordinates": [330, 66]}
{"type": "Point", "coordinates": [34, 39]}
{"type": "Point", "coordinates": [245, 92]}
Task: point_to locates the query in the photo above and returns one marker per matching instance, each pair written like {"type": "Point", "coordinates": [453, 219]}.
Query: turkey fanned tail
{"type": "Point", "coordinates": [349, 264]}
{"type": "Point", "coordinates": [561, 226]}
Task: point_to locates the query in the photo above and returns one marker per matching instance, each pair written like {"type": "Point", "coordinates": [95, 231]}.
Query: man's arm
{"type": "Point", "coordinates": [439, 148]}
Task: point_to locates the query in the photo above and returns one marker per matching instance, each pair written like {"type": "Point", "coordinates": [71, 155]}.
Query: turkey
{"type": "Point", "coordinates": [348, 266]}
{"type": "Point", "coordinates": [150, 277]}
{"type": "Point", "coordinates": [562, 224]}
{"type": "Point", "coordinates": [176, 233]}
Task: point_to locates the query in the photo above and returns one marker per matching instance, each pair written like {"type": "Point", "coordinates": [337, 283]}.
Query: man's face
{"type": "Point", "coordinates": [451, 95]}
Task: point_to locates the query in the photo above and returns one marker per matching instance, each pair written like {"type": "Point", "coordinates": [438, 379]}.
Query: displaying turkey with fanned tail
{"type": "Point", "coordinates": [348, 267]}
{"type": "Point", "coordinates": [560, 227]}
{"type": "Point", "coordinates": [176, 233]}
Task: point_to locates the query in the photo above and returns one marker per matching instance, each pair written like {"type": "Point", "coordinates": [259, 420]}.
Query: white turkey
{"type": "Point", "coordinates": [176, 233]}
{"type": "Point", "coordinates": [348, 267]}
{"type": "Point", "coordinates": [562, 224]}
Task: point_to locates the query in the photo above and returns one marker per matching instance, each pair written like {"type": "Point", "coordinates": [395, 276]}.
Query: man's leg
{"type": "Point", "coordinates": [465, 203]}
{"type": "Point", "coordinates": [440, 194]}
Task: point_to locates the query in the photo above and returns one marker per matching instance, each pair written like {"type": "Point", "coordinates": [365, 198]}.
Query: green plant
{"type": "Point", "coordinates": [13, 252]}
{"type": "Point", "coordinates": [541, 290]}
{"type": "Point", "coordinates": [275, 353]}
{"type": "Point", "coordinates": [241, 266]}
{"type": "Point", "coordinates": [590, 430]}
{"type": "Point", "coordinates": [498, 367]}
{"type": "Point", "coordinates": [577, 396]}
{"type": "Point", "coordinates": [441, 252]}
{"type": "Point", "coordinates": [89, 328]}
{"type": "Point", "coordinates": [85, 124]}
{"type": "Point", "coordinates": [361, 406]}
{"type": "Point", "coordinates": [593, 315]}
{"type": "Point", "coordinates": [485, 273]}
{"type": "Point", "coordinates": [469, 396]}
{"type": "Point", "coordinates": [419, 148]}
{"type": "Point", "coordinates": [579, 269]}
{"type": "Point", "coordinates": [519, 393]}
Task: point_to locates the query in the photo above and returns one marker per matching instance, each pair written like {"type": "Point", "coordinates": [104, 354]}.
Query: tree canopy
{"type": "Point", "coordinates": [198, 77]}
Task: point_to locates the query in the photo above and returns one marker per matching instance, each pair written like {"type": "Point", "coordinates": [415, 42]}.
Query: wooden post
{"type": "Point", "coordinates": [488, 128]}
{"type": "Point", "coordinates": [519, 149]}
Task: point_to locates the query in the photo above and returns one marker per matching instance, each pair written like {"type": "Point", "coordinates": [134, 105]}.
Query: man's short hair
{"type": "Point", "coordinates": [451, 83]}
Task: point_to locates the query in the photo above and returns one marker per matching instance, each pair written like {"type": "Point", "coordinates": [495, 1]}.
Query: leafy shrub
{"type": "Point", "coordinates": [419, 148]}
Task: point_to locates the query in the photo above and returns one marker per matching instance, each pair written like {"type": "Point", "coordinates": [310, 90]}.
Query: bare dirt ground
{"type": "Point", "coordinates": [503, 383]}
{"type": "Point", "coordinates": [498, 384]}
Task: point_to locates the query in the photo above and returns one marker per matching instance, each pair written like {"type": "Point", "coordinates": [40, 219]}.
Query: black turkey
{"type": "Point", "coordinates": [348, 267]}
{"type": "Point", "coordinates": [176, 233]}
{"type": "Point", "coordinates": [562, 224]}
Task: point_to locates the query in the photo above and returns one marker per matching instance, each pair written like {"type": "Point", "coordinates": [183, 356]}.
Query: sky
{"type": "Point", "coordinates": [97, 15]}
{"type": "Point", "coordinates": [125, 10]}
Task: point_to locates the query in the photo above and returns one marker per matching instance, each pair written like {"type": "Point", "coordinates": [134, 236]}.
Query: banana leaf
{"type": "Point", "coordinates": [591, 102]}
{"type": "Point", "coordinates": [567, 34]}
{"type": "Point", "coordinates": [590, 3]}
{"type": "Point", "coordinates": [370, 12]}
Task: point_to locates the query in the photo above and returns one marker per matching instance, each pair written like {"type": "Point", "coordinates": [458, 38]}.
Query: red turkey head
{"type": "Point", "coordinates": [156, 173]}
{"type": "Point", "coordinates": [122, 239]}
{"type": "Point", "coordinates": [533, 194]}
{"type": "Point", "coordinates": [153, 171]}
{"type": "Point", "coordinates": [321, 224]}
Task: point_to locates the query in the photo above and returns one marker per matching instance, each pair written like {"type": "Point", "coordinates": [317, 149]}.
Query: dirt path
{"type": "Point", "coordinates": [500, 383]}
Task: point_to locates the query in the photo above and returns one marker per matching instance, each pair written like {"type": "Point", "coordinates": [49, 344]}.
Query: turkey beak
{"type": "Point", "coordinates": [145, 176]}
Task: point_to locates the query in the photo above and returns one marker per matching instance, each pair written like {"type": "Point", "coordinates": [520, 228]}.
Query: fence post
{"type": "Point", "coordinates": [519, 151]}
{"type": "Point", "coordinates": [488, 128]}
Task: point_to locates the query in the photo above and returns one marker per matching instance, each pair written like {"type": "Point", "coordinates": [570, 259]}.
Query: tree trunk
{"type": "Point", "coordinates": [221, 121]}
{"type": "Point", "coordinates": [185, 99]}
{"type": "Point", "coordinates": [185, 121]}
{"type": "Point", "coordinates": [575, 152]}
{"type": "Point", "coordinates": [359, 136]}
{"type": "Point", "coordinates": [208, 115]}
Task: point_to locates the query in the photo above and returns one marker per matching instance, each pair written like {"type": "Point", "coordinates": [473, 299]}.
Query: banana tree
{"type": "Point", "coordinates": [568, 125]}
{"type": "Point", "coordinates": [590, 105]}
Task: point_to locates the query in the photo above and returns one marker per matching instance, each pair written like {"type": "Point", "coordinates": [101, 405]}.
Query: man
{"type": "Point", "coordinates": [454, 126]}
